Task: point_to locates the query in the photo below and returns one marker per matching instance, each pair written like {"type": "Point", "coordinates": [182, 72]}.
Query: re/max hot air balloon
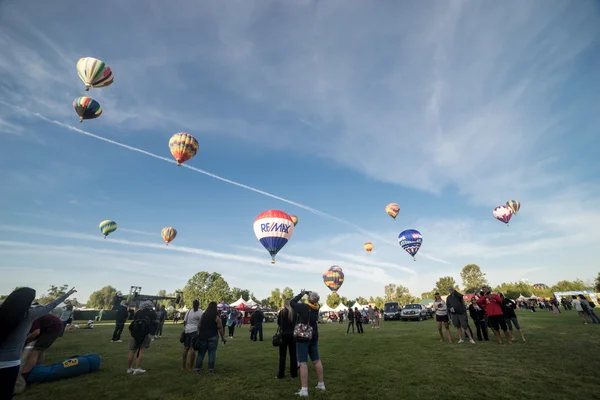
{"type": "Point", "coordinates": [87, 108]}
{"type": "Point", "coordinates": [107, 227]}
{"type": "Point", "coordinates": [411, 241]}
{"type": "Point", "coordinates": [294, 219]}
{"type": "Point", "coordinates": [514, 205]}
{"type": "Point", "coordinates": [503, 214]}
{"type": "Point", "coordinates": [392, 210]}
{"type": "Point", "coordinates": [183, 146]}
{"type": "Point", "coordinates": [333, 278]}
{"type": "Point", "coordinates": [94, 73]}
{"type": "Point", "coordinates": [368, 246]}
{"type": "Point", "coordinates": [273, 228]}
{"type": "Point", "coordinates": [168, 234]}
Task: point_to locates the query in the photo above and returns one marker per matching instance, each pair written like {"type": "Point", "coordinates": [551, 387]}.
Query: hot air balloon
{"type": "Point", "coordinates": [502, 213]}
{"type": "Point", "coordinates": [392, 210]}
{"type": "Point", "coordinates": [294, 219]}
{"type": "Point", "coordinates": [168, 234]}
{"type": "Point", "coordinates": [183, 147]}
{"type": "Point", "coordinates": [368, 246]}
{"type": "Point", "coordinates": [87, 108]}
{"type": "Point", "coordinates": [514, 205]}
{"type": "Point", "coordinates": [411, 241]}
{"type": "Point", "coordinates": [273, 228]}
{"type": "Point", "coordinates": [94, 73]}
{"type": "Point", "coordinates": [107, 227]}
{"type": "Point", "coordinates": [333, 278]}
{"type": "Point", "coordinates": [540, 286]}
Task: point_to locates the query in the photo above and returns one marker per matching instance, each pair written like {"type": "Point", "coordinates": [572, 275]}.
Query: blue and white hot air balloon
{"type": "Point", "coordinates": [273, 228]}
{"type": "Point", "coordinates": [410, 240]}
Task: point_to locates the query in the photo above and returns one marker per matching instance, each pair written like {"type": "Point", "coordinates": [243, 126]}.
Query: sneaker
{"type": "Point", "coordinates": [461, 341]}
{"type": "Point", "coordinates": [112, 341]}
{"type": "Point", "coordinates": [138, 371]}
{"type": "Point", "coordinates": [472, 341]}
{"type": "Point", "coordinates": [279, 377]}
{"type": "Point", "coordinates": [118, 341]}
{"type": "Point", "coordinates": [301, 392]}
{"type": "Point", "coordinates": [320, 386]}
{"type": "Point", "coordinates": [130, 370]}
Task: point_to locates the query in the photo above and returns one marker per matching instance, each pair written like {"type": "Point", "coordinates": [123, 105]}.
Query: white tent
{"type": "Point", "coordinates": [251, 303]}
{"type": "Point", "coordinates": [326, 308]}
{"type": "Point", "coordinates": [356, 305]}
{"type": "Point", "coordinates": [238, 302]}
{"type": "Point", "coordinates": [340, 307]}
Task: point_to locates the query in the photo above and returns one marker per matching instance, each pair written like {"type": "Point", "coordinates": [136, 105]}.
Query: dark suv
{"type": "Point", "coordinates": [391, 310]}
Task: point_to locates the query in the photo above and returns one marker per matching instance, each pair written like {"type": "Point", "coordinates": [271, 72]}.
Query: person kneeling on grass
{"type": "Point", "coordinates": [140, 329]}
{"type": "Point", "coordinates": [308, 314]}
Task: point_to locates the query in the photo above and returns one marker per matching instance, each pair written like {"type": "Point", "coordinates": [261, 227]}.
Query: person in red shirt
{"type": "Point", "coordinates": [44, 330]}
{"type": "Point", "coordinates": [492, 304]}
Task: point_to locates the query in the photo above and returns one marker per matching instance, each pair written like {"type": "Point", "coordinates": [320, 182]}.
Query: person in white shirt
{"type": "Point", "coordinates": [190, 334]}
{"type": "Point", "coordinates": [579, 308]}
{"type": "Point", "coordinates": [441, 316]}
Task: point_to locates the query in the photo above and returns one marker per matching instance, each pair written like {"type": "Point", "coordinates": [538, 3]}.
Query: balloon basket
{"type": "Point", "coordinates": [273, 261]}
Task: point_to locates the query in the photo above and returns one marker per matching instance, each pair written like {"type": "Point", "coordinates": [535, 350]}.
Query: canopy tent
{"type": "Point", "coordinates": [223, 306]}
{"type": "Point", "coordinates": [238, 302]}
{"type": "Point", "coordinates": [340, 307]}
{"type": "Point", "coordinates": [251, 303]}
{"type": "Point", "coordinates": [426, 302]}
{"type": "Point", "coordinates": [326, 308]}
{"type": "Point", "coordinates": [243, 307]}
{"type": "Point", "coordinates": [521, 297]}
{"type": "Point", "coordinates": [357, 305]}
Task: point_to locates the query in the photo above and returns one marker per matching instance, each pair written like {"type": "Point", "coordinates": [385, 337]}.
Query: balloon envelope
{"type": "Point", "coordinates": [392, 210]}
{"type": "Point", "coordinates": [514, 205]}
{"type": "Point", "coordinates": [368, 246]}
{"type": "Point", "coordinates": [273, 229]}
{"type": "Point", "coordinates": [183, 147]}
{"type": "Point", "coordinates": [333, 278]}
{"type": "Point", "coordinates": [168, 234]}
{"type": "Point", "coordinates": [107, 227]}
{"type": "Point", "coordinates": [411, 241]}
{"type": "Point", "coordinates": [87, 108]}
{"type": "Point", "coordinates": [94, 73]}
{"type": "Point", "coordinates": [294, 219]}
{"type": "Point", "coordinates": [503, 214]}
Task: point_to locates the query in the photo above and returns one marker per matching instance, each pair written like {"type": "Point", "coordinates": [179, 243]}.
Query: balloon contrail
{"type": "Point", "coordinates": [169, 160]}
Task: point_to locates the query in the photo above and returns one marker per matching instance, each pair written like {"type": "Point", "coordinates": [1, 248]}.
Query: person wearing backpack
{"type": "Point", "coordinates": [588, 307]}
{"type": "Point", "coordinates": [140, 329]}
{"type": "Point", "coordinates": [307, 339]}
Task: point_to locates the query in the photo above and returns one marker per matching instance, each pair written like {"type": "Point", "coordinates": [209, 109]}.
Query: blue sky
{"type": "Point", "coordinates": [447, 109]}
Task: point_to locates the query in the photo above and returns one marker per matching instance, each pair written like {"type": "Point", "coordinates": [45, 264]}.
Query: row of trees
{"type": "Point", "coordinates": [211, 286]}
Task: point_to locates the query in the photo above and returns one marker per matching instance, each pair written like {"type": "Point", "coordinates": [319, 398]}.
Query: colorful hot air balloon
{"type": "Point", "coordinates": [540, 286]}
{"type": "Point", "coordinates": [294, 219]}
{"type": "Point", "coordinates": [502, 213]}
{"type": "Point", "coordinates": [183, 147]}
{"type": "Point", "coordinates": [87, 108]}
{"type": "Point", "coordinates": [107, 227]}
{"type": "Point", "coordinates": [392, 210]}
{"type": "Point", "coordinates": [368, 246]}
{"type": "Point", "coordinates": [94, 73]}
{"type": "Point", "coordinates": [411, 241]}
{"type": "Point", "coordinates": [273, 228]}
{"type": "Point", "coordinates": [514, 205]}
{"type": "Point", "coordinates": [333, 278]}
{"type": "Point", "coordinates": [168, 234]}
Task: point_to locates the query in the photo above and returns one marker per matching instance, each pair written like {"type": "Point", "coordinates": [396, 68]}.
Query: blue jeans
{"type": "Point", "coordinates": [257, 332]}
{"type": "Point", "coordinates": [593, 315]}
{"type": "Point", "coordinates": [203, 345]}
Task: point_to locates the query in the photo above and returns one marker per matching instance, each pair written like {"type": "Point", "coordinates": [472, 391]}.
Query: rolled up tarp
{"type": "Point", "coordinates": [69, 368]}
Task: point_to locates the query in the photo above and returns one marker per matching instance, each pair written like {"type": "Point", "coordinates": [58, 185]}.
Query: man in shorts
{"type": "Point", "coordinates": [144, 320]}
{"type": "Point", "coordinates": [456, 304]}
{"type": "Point", "coordinates": [44, 330]}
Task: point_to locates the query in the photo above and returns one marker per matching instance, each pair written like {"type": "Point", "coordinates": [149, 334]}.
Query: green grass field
{"type": "Point", "coordinates": [560, 360]}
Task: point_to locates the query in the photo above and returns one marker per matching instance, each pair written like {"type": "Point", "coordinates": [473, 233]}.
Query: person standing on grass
{"type": "Point", "coordinates": [376, 313]}
{"type": "Point", "coordinates": [256, 321]}
{"type": "Point", "coordinates": [358, 320]}
{"type": "Point", "coordinates": [209, 329]}
{"type": "Point", "coordinates": [190, 334]}
{"type": "Point", "coordinates": [492, 304]}
{"type": "Point", "coordinates": [371, 314]}
{"type": "Point", "coordinates": [66, 317]}
{"type": "Point", "coordinates": [580, 311]}
{"type": "Point", "coordinates": [162, 316]}
{"type": "Point", "coordinates": [508, 309]}
{"type": "Point", "coordinates": [478, 316]}
{"type": "Point", "coordinates": [120, 319]}
{"type": "Point", "coordinates": [231, 322]}
{"type": "Point", "coordinates": [140, 329]}
{"type": "Point", "coordinates": [308, 313]}
{"type": "Point", "coordinates": [16, 318]}
{"type": "Point", "coordinates": [286, 321]}
{"type": "Point", "coordinates": [456, 304]}
{"type": "Point", "coordinates": [587, 307]}
{"type": "Point", "coordinates": [351, 316]}
{"type": "Point", "coordinates": [441, 317]}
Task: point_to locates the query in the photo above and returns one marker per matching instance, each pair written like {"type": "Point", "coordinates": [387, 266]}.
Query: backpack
{"type": "Point", "coordinates": [139, 329]}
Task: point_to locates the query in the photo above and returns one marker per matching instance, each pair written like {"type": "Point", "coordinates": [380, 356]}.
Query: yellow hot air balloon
{"type": "Point", "coordinates": [107, 227]}
{"type": "Point", "coordinates": [368, 247]}
{"type": "Point", "coordinates": [294, 219]}
{"type": "Point", "coordinates": [392, 210]}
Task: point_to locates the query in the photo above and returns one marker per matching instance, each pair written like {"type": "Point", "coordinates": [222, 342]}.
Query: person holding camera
{"type": "Point", "coordinates": [492, 304]}
{"type": "Point", "coordinates": [308, 314]}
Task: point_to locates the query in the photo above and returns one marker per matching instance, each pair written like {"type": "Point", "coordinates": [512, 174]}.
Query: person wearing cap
{"type": "Point", "coordinates": [456, 304]}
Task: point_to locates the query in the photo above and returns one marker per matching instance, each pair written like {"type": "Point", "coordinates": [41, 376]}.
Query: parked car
{"type": "Point", "coordinates": [391, 310]}
{"type": "Point", "coordinates": [269, 316]}
{"type": "Point", "coordinates": [413, 312]}
{"type": "Point", "coordinates": [430, 312]}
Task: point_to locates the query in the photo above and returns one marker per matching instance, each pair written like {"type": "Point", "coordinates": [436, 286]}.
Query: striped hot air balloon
{"type": "Point", "coordinates": [94, 73]}
{"type": "Point", "coordinates": [168, 234]}
{"type": "Point", "coordinates": [183, 147]}
{"type": "Point", "coordinates": [514, 205]}
{"type": "Point", "coordinates": [87, 108]}
{"type": "Point", "coordinates": [333, 278]}
{"type": "Point", "coordinates": [107, 227]}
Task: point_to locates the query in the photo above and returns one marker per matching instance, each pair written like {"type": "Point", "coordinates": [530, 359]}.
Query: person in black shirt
{"type": "Point", "coordinates": [508, 309]}
{"type": "Point", "coordinates": [145, 312]}
{"type": "Point", "coordinates": [256, 321]}
{"type": "Point", "coordinates": [120, 320]}
{"type": "Point", "coordinates": [350, 321]}
{"type": "Point", "coordinates": [358, 320]}
{"type": "Point", "coordinates": [478, 316]}
{"type": "Point", "coordinates": [209, 330]}
{"type": "Point", "coordinates": [286, 321]}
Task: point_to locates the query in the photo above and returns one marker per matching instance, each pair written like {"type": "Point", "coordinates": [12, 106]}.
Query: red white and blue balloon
{"type": "Point", "coordinates": [410, 240]}
{"type": "Point", "coordinates": [273, 229]}
{"type": "Point", "coordinates": [503, 214]}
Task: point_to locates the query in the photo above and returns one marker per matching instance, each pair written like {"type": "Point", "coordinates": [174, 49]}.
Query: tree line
{"type": "Point", "coordinates": [211, 286]}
